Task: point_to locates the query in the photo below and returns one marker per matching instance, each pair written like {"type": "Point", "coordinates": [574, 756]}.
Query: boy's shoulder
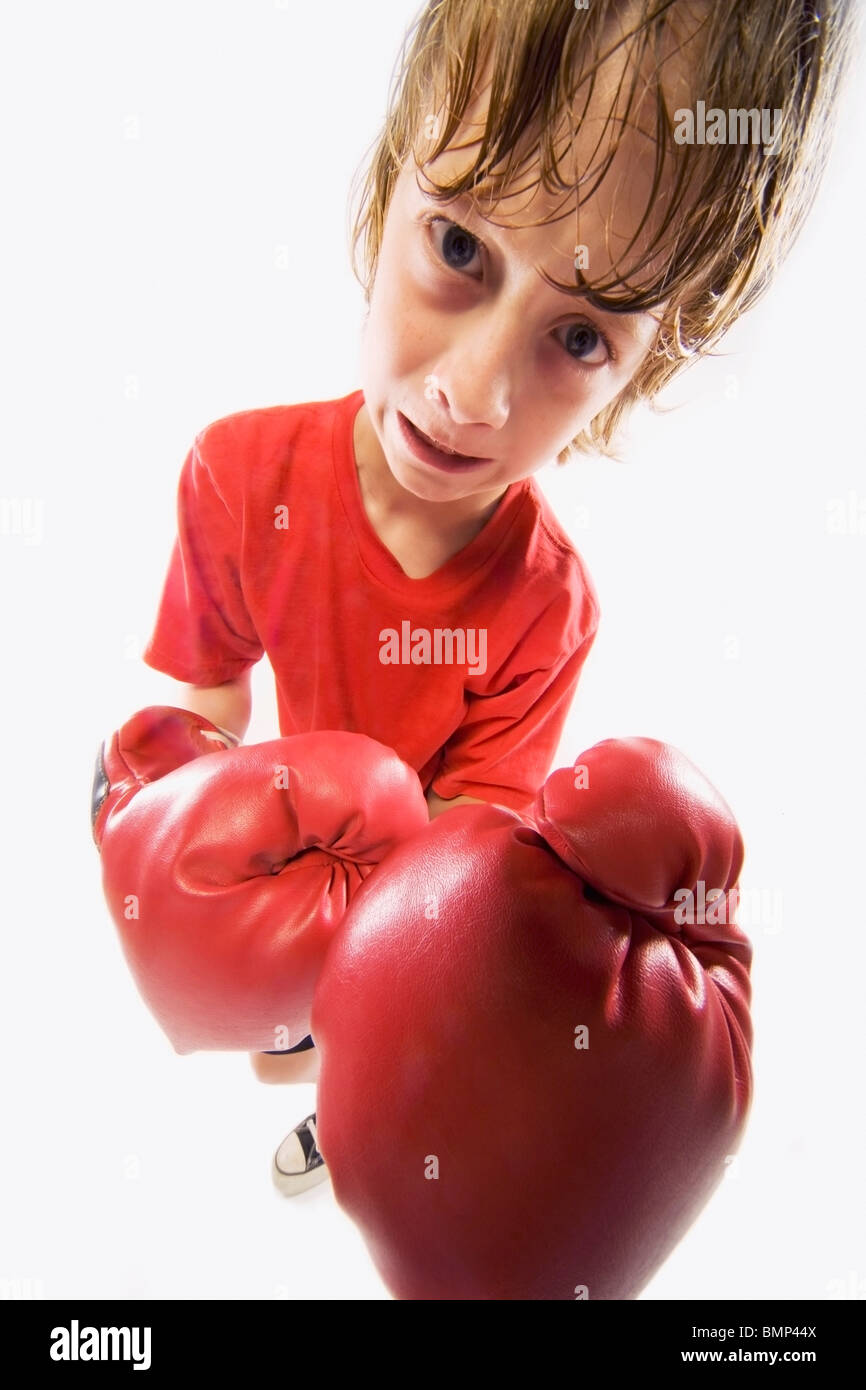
{"type": "Point", "coordinates": [247, 451]}
{"type": "Point", "coordinates": [270, 422]}
{"type": "Point", "coordinates": [551, 557]}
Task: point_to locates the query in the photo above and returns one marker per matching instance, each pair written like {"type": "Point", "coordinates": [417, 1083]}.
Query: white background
{"type": "Point", "coordinates": [175, 178]}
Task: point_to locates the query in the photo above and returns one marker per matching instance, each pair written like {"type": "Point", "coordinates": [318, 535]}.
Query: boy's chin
{"type": "Point", "coordinates": [437, 488]}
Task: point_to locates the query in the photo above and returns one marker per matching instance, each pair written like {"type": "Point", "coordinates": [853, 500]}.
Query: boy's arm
{"type": "Point", "coordinates": [507, 741]}
{"type": "Point", "coordinates": [437, 804]}
{"type": "Point", "coordinates": [229, 705]}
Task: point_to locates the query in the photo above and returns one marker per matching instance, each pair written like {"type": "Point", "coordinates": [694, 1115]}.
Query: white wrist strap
{"type": "Point", "coordinates": [232, 740]}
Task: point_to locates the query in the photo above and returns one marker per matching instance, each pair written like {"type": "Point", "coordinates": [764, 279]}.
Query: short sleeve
{"type": "Point", "coordinates": [203, 634]}
{"type": "Point", "coordinates": [503, 749]}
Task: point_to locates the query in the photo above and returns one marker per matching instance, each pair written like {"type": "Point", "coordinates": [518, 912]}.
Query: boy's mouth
{"type": "Point", "coordinates": [431, 450]}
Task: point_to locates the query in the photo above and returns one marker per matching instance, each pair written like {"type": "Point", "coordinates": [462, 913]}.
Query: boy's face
{"type": "Point", "coordinates": [473, 348]}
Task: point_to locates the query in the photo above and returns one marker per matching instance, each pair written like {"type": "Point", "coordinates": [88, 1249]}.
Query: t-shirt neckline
{"type": "Point", "coordinates": [376, 555]}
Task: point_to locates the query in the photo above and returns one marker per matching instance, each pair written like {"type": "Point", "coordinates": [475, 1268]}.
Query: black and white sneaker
{"type": "Point", "coordinates": [297, 1162]}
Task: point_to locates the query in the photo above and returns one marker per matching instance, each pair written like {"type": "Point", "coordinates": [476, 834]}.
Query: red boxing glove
{"type": "Point", "coordinates": [535, 1040]}
{"type": "Point", "coordinates": [153, 742]}
{"type": "Point", "coordinates": [227, 874]}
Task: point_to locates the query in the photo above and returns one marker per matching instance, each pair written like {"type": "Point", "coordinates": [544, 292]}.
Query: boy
{"type": "Point", "coordinates": [390, 551]}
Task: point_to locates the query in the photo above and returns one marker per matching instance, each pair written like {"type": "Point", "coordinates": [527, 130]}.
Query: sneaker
{"type": "Point", "coordinates": [297, 1162]}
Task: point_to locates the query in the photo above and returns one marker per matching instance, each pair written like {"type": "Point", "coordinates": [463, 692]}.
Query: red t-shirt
{"type": "Point", "coordinates": [468, 673]}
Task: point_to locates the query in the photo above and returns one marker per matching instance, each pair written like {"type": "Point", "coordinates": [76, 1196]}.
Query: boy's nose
{"type": "Point", "coordinates": [477, 370]}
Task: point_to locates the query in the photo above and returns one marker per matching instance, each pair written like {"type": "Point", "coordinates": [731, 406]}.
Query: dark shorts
{"type": "Point", "coordinates": [303, 1046]}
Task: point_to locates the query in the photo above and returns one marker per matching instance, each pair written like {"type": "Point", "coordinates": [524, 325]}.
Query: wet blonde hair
{"type": "Point", "coordinates": [734, 209]}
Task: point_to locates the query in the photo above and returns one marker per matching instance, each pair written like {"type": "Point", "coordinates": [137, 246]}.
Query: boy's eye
{"type": "Point", "coordinates": [458, 248]}
{"type": "Point", "coordinates": [587, 345]}
{"type": "Point", "coordinates": [458, 245]}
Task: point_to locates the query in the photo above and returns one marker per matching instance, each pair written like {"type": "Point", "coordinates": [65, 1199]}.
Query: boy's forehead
{"type": "Point", "coordinates": [544, 227]}
{"type": "Point", "coordinates": [605, 144]}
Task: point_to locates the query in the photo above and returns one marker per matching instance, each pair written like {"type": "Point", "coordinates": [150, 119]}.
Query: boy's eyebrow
{"type": "Point", "coordinates": [462, 203]}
